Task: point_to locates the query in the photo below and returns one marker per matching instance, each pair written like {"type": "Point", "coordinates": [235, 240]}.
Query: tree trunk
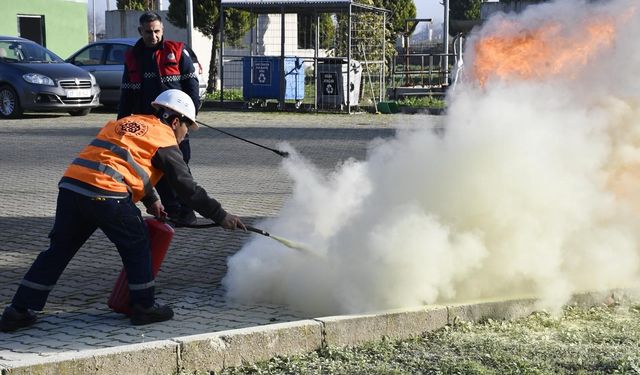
{"type": "Point", "coordinates": [213, 64]}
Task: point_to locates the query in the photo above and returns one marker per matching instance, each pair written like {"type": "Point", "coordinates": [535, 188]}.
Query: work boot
{"type": "Point", "coordinates": [12, 319]}
{"type": "Point", "coordinates": [156, 313]}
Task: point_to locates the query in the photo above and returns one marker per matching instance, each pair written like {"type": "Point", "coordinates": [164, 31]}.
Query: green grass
{"type": "Point", "coordinates": [229, 94]}
{"type": "Point", "coordinates": [422, 101]}
{"type": "Point", "coordinates": [599, 340]}
{"type": "Point", "coordinates": [309, 98]}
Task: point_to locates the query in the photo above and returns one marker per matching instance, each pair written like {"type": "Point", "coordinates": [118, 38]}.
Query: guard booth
{"type": "Point", "coordinates": [296, 47]}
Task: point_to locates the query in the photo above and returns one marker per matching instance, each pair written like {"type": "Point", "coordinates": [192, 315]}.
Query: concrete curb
{"type": "Point", "coordinates": [398, 324]}
{"type": "Point", "coordinates": [215, 351]}
{"type": "Point", "coordinates": [158, 357]}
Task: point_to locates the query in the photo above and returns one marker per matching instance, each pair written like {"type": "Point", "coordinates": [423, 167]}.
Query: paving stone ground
{"type": "Point", "coordinates": [246, 179]}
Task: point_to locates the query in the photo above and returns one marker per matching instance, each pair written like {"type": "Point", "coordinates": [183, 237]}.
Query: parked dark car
{"type": "Point", "coordinates": [32, 78]}
{"type": "Point", "coordinates": [105, 60]}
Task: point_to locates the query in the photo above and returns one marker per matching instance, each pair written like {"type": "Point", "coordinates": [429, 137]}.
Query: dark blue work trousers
{"type": "Point", "coordinates": [77, 217]}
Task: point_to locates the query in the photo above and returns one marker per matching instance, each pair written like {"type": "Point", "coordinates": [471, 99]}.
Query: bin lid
{"type": "Point", "coordinates": [332, 60]}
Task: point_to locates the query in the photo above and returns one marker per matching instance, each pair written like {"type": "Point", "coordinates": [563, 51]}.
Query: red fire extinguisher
{"type": "Point", "coordinates": [160, 235]}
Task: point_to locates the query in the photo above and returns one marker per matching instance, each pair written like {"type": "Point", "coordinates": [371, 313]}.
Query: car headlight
{"type": "Point", "coordinates": [93, 79]}
{"type": "Point", "coordinates": [38, 79]}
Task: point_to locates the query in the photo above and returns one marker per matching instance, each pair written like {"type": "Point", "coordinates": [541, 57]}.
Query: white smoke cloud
{"type": "Point", "coordinates": [534, 188]}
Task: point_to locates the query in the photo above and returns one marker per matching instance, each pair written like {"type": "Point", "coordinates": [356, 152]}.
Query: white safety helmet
{"type": "Point", "coordinates": [178, 102]}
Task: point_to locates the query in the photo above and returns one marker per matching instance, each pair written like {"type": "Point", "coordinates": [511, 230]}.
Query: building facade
{"type": "Point", "coordinates": [59, 25]}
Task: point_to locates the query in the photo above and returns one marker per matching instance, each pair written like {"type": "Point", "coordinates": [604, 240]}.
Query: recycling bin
{"type": "Point", "coordinates": [332, 85]}
{"type": "Point", "coordinates": [261, 78]}
{"type": "Point", "coordinates": [294, 79]}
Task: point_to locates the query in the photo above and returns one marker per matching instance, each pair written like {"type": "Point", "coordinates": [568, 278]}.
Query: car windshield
{"type": "Point", "coordinates": [16, 51]}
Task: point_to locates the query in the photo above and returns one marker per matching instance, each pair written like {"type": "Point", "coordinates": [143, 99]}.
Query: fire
{"type": "Point", "coordinates": [546, 51]}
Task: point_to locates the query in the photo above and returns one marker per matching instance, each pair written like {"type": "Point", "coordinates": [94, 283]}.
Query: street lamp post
{"type": "Point", "coordinates": [445, 41]}
{"type": "Point", "coordinates": [190, 23]}
{"type": "Point", "coordinates": [93, 19]}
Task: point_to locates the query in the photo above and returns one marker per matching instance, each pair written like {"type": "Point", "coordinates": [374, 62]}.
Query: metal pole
{"type": "Point", "coordinates": [253, 21]}
{"type": "Point", "coordinates": [315, 60]}
{"type": "Point", "coordinates": [221, 54]}
{"type": "Point", "coordinates": [281, 67]}
{"type": "Point", "coordinates": [190, 23]}
{"type": "Point", "coordinates": [347, 89]}
{"type": "Point", "coordinates": [93, 19]}
{"type": "Point", "coordinates": [445, 41]}
{"type": "Point", "coordinates": [383, 90]}
{"type": "Point", "coordinates": [430, 70]}
{"type": "Point", "coordinates": [405, 37]}
{"type": "Point", "coordinates": [422, 69]}
{"type": "Point", "coordinates": [257, 31]}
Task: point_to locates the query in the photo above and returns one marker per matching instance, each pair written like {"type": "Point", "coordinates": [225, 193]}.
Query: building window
{"type": "Point", "coordinates": [305, 31]}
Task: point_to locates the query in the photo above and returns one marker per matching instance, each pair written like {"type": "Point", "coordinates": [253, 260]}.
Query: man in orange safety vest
{"type": "Point", "coordinates": [100, 190]}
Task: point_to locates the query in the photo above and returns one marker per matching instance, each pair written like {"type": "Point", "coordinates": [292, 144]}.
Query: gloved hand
{"type": "Point", "coordinates": [157, 210]}
{"type": "Point", "coordinates": [232, 222]}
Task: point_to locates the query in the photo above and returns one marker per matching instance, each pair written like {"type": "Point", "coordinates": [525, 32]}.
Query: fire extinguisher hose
{"type": "Point", "coordinates": [288, 243]}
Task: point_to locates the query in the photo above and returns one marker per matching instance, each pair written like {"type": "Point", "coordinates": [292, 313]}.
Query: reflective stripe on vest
{"type": "Point", "coordinates": [126, 156]}
{"type": "Point", "coordinates": [118, 160]}
{"type": "Point", "coordinates": [100, 168]}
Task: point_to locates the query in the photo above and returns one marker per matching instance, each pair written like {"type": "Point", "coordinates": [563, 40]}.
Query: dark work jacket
{"type": "Point", "coordinates": [150, 71]}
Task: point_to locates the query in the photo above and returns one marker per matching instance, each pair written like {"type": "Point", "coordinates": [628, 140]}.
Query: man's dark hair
{"type": "Point", "coordinates": [149, 16]}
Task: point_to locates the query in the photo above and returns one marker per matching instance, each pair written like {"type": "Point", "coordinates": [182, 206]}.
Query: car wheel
{"type": "Point", "coordinates": [9, 103]}
{"type": "Point", "coordinates": [80, 112]}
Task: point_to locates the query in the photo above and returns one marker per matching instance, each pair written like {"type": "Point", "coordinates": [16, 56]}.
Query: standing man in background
{"type": "Point", "coordinates": [152, 66]}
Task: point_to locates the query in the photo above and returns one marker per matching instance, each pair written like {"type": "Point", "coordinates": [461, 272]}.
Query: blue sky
{"type": "Point", "coordinates": [429, 9]}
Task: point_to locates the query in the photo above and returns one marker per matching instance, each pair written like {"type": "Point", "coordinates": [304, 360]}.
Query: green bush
{"type": "Point", "coordinates": [229, 94]}
{"type": "Point", "coordinates": [423, 101]}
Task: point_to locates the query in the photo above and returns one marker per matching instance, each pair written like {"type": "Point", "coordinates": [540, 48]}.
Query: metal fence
{"type": "Point", "coordinates": [429, 70]}
{"type": "Point", "coordinates": [307, 56]}
{"type": "Point", "coordinates": [425, 70]}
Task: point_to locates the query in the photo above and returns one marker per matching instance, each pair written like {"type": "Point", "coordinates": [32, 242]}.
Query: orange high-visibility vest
{"type": "Point", "coordinates": [119, 158]}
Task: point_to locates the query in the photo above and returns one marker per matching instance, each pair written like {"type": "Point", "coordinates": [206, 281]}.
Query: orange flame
{"type": "Point", "coordinates": [546, 51]}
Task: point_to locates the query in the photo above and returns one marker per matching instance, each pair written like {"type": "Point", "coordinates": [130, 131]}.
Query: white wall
{"type": "Point", "coordinates": [268, 38]}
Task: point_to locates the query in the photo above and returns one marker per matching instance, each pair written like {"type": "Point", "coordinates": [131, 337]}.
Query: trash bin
{"type": "Point", "coordinates": [332, 83]}
{"type": "Point", "coordinates": [294, 79]}
{"type": "Point", "coordinates": [261, 78]}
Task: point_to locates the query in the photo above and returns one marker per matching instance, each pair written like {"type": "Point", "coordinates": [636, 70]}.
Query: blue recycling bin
{"type": "Point", "coordinates": [294, 78]}
{"type": "Point", "coordinates": [261, 78]}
